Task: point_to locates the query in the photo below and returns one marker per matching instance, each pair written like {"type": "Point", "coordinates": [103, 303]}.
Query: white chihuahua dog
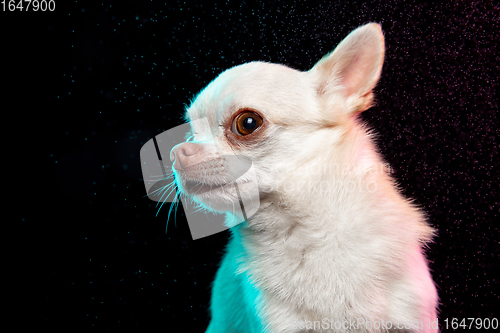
{"type": "Point", "coordinates": [334, 246]}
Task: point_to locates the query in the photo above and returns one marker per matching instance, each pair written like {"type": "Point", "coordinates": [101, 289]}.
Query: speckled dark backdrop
{"type": "Point", "coordinates": [94, 80]}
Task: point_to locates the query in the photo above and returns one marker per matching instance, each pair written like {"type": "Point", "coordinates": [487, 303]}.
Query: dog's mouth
{"type": "Point", "coordinates": [197, 188]}
{"type": "Point", "coordinates": [216, 176]}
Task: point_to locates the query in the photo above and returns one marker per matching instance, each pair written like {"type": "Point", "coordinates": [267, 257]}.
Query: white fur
{"type": "Point", "coordinates": [333, 240]}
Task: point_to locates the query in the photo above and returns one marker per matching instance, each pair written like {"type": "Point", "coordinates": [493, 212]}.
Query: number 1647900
{"type": "Point", "coordinates": [28, 5]}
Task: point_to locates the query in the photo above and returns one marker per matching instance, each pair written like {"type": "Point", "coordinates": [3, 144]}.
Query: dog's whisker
{"type": "Point", "coordinates": [163, 177]}
{"type": "Point", "coordinates": [162, 203]}
{"type": "Point", "coordinates": [172, 186]}
{"type": "Point", "coordinates": [174, 203]}
{"type": "Point", "coordinates": [159, 190]}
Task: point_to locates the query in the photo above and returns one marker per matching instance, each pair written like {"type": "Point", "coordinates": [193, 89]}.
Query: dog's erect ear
{"type": "Point", "coordinates": [353, 68]}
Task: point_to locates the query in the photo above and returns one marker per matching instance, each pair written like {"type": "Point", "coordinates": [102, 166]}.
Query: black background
{"type": "Point", "coordinates": [85, 86]}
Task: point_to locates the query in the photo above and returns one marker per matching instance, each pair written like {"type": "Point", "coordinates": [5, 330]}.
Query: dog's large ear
{"type": "Point", "coordinates": [352, 69]}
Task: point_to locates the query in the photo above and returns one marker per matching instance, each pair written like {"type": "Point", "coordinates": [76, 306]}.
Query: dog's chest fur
{"type": "Point", "coordinates": [347, 260]}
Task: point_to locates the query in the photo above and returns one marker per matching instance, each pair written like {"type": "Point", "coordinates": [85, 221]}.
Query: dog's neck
{"type": "Point", "coordinates": [340, 231]}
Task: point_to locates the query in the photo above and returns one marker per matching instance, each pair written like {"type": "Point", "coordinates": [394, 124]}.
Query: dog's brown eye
{"type": "Point", "coordinates": [247, 122]}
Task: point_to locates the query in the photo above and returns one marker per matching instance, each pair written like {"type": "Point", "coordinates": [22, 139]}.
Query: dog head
{"type": "Point", "coordinates": [277, 120]}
